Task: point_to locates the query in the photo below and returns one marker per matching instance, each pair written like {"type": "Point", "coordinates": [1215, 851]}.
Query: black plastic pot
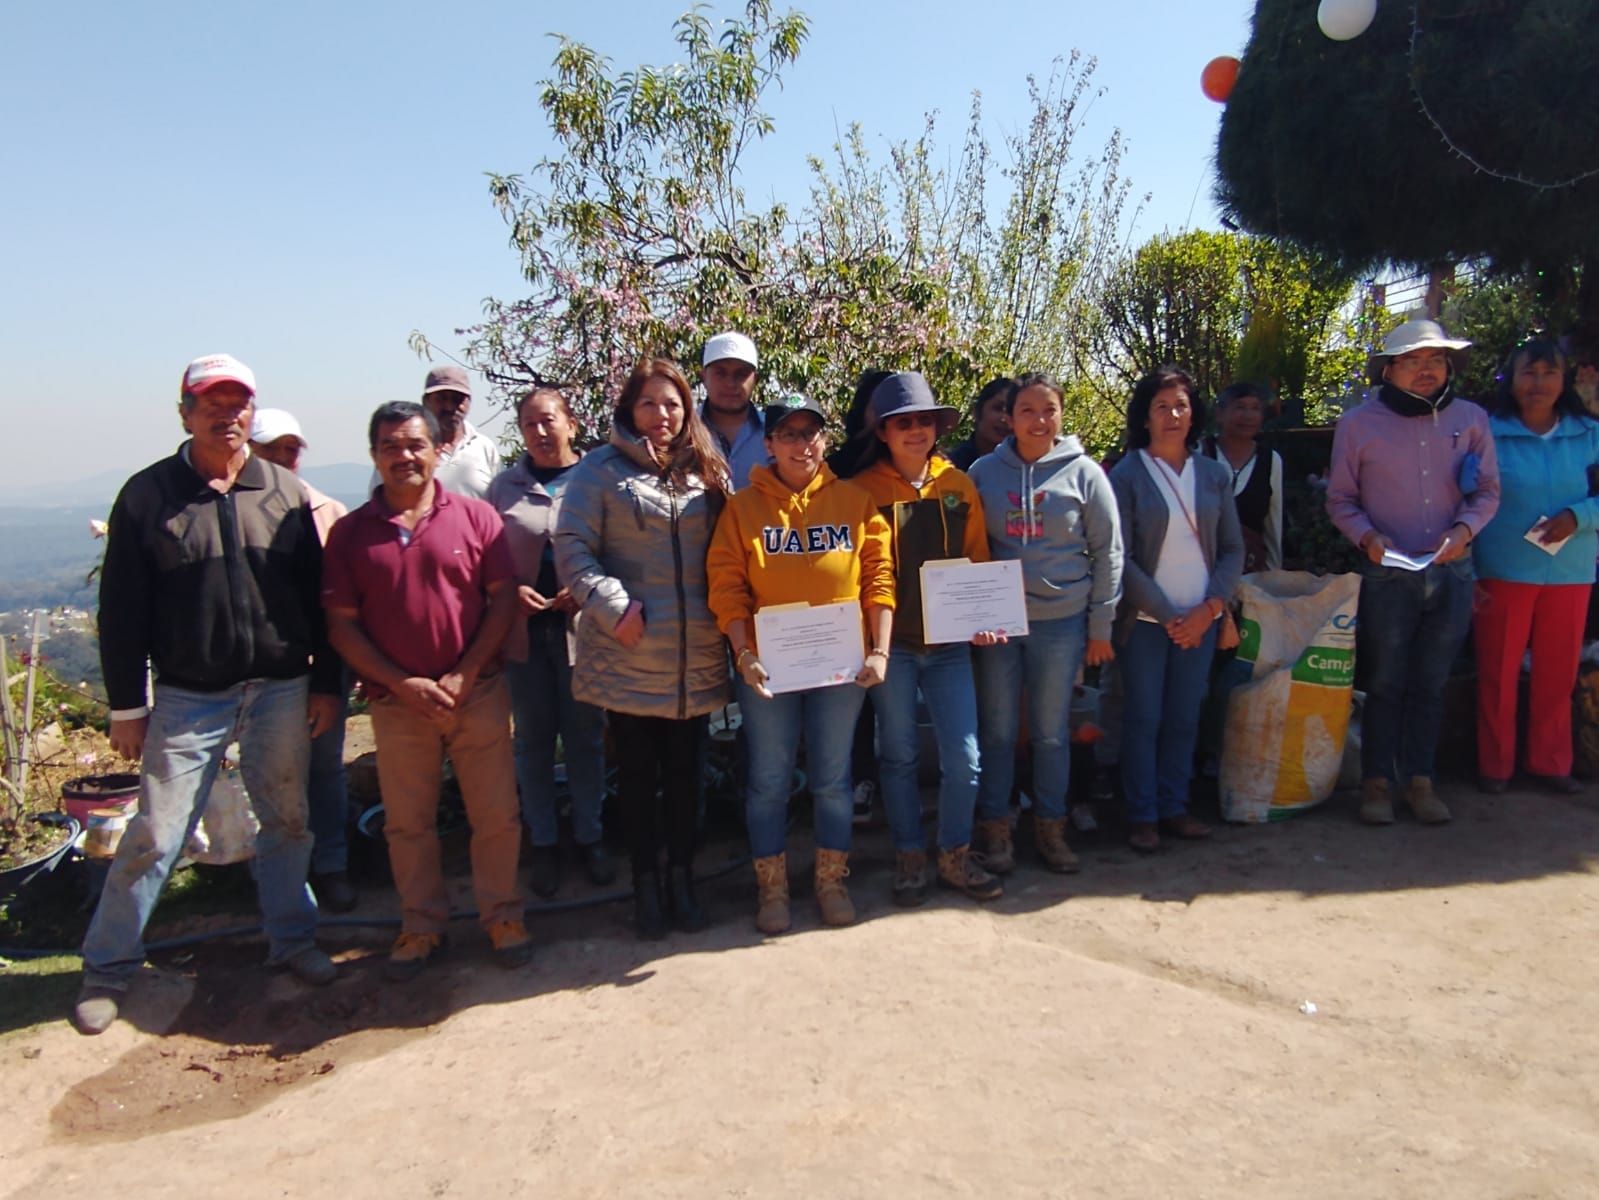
{"type": "Point", "coordinates": [14, 879]}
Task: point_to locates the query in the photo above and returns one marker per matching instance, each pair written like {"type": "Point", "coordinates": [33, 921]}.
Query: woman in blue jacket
{"type": "Point", "coordinates": [1535, 568]}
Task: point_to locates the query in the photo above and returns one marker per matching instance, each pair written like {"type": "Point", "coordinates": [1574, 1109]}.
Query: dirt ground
{"type": "Point", "coordinates": [1142, 1029]}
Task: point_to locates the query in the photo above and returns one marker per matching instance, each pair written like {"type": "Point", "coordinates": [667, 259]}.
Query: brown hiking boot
{"type": "Point", "coordinates": [910, 878]}
{"type": "Point", "coordinates": [959, 869]}
{"type": "Point", "coordinates": [1424, 802]}
{"type": "Point", "coordinates": [771, 894]}
{"type": "Point", "coordinates": [993, 846]}
{"type": "Point", "coordinates": [1376, 806]}
{"type": "Point", "coordinates": [1050, 838]}
{"type": "Point", "coordinates": [832, 897]}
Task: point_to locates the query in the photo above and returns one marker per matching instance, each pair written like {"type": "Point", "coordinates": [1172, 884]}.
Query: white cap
{"type": "Point", "coordinates": [270, 424]}
{"type": "Point", "coordinates": [730, 345]}
{"type": "Point", "coordinates": [205, 373]}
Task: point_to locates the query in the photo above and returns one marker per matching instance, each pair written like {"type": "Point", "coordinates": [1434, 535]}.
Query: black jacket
{"type": "Point", "coordinates": [211, 588]}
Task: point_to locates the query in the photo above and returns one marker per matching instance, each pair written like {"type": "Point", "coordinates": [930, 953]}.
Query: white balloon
{"type": "Point", "coordinates": [1345, 19]}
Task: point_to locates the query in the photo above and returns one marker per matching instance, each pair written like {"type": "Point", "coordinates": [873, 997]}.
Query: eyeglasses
{"type": "Point", "coordinates": [793, 435]}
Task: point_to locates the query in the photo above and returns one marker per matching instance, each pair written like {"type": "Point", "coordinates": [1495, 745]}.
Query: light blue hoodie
{"type": "Point", "coordinates": [1058, 517]}
{"type": "Point", "coordinates": [1539, 476]}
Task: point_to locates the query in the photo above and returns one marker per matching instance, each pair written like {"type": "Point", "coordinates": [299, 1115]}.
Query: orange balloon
{"type": "Point", "coordinates": [1218, 78]}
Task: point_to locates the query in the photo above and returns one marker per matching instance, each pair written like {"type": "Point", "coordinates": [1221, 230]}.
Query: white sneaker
{"type": "Point", "coordinates": [865, 797]}
{"type": "Point", "coordinates": [1082, 816]}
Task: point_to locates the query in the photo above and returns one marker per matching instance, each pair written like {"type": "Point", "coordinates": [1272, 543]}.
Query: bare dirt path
{"type": "Point", "coordinates": [1138, 1030]}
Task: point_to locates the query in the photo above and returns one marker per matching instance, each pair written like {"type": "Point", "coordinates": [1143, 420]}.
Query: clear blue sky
{"type": "Point", "coordinates": [302, 184]}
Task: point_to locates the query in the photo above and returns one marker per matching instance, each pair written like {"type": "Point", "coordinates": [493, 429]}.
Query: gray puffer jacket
{"type": "Point", "coordinates": [625, 533]}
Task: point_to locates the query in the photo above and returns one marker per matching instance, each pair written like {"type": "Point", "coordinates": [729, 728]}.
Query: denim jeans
{"type": "Point", "coordinates": [183, 748]}
{"type": "Point", "coordinates": [542, 706]}
{"type": "Point", "coordinates": [1046, 661]}
{"type": "Point", "coordinates": [1411, 626]}
{"type": "Point", "coordinates": [944, 675]}
{"type": "Point", "coordinates": [328, 798]}
{"type": "Point", "coordinates": [1162, 689]}
{"type": "Point", "coordinates": [826, 716]}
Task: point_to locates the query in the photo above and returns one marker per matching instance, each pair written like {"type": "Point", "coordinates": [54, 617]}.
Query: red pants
{"type": "Point", "coordinates": [1505, 618]}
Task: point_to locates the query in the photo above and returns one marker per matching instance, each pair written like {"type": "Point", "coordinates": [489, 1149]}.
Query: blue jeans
{"type": "Point", "coordinates": [542, 706]}
{"type": "Point", "coordinates": [1162, 687]}
{"type": "Point", "coordinates": [328, 799]}
{"type": "Point", "coordinates": [1412, 625]}
{"type": "Point", "coordinates": [1046, 661]}
{"type": "Point", "coordinates": [188, 733]}
{"type": "Point", "coordinates": [944, 674]}
{"type": "Point", "coordinates": [827, 718]}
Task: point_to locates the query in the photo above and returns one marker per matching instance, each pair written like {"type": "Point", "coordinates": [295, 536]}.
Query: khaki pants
{"type": "Point", "coordinates": [411, 753]}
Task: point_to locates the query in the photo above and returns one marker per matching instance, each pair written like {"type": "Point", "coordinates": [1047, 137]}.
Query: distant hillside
{"type": "Point", "coordinates": [342, 481]}
{"type": "Point", "coordinates": [46, 549]}
{"type": "Point", "coordinates": [47, 552]}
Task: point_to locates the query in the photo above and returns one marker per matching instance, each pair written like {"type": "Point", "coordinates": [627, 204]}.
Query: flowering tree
{"type": "Point", "coordinates": [637, 237]}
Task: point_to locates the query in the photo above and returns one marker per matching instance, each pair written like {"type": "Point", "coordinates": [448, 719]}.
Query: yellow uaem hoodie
{"type": "Point", "coordinates": [941, 519]}
{"type": "Point", "coordinates": [821, 545]}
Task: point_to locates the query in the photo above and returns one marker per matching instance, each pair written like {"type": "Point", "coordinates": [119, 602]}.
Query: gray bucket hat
{"type": "Point", "coordinates": [909, 392]}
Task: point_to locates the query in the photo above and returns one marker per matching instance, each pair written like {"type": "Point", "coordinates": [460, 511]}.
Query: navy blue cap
{"type": "Point", "coordinates": [781, 410]}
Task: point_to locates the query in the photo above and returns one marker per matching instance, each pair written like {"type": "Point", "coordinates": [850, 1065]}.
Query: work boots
{"type": "Point", "coordinates": [1424, 802]}
{"type": "Point", "coordinates": [1050, 838]}
{"type": "Point", "coordinates": [771, 894]}
{"type": "Point", "coordinates": [832, 897]}
{"type": "Point", "coordinates": [993, 845]}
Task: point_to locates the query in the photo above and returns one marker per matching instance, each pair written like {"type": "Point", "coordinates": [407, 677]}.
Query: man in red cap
{"type": "Point", "coordinates": [211, 582]}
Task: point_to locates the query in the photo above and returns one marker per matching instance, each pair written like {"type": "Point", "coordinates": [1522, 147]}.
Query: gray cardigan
{"type": "Point", "coordinates": [1143, 510]}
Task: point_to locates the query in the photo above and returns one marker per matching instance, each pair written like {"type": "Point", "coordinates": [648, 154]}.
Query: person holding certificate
{"type": "Point", "coordinates": [1185, 553]}
{"type": "Point", "coordinates": [1535, 568]}
{"type": "Point", "coordinates": [933, 513]}
{"type": "Point", "coordinates": [1048, 504]}
{"type": "Point", "coordinates": [630, 544]}
{"type": "Point", "coordinates": [792, 550]}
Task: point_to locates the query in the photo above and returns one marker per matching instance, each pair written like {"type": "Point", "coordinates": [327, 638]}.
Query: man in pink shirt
{"type": "Point", "coordinates": [420, 593]}
{"type": "Point", "coordinates": [1413, 475]}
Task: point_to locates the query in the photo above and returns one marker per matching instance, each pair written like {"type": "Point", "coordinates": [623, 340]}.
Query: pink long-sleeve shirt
{"type": "Point", "coordinates": [1401, 475]}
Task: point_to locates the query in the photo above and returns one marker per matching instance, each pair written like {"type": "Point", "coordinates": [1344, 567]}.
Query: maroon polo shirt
{"type": "Point", "coordinates": [420, 598]}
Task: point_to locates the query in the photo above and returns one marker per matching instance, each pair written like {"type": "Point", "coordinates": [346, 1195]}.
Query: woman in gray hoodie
{"type": "Point", "coordinates": [1049, 505]}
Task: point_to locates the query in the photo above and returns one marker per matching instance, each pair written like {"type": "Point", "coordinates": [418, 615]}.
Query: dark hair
{"type": "Point", "coordinates": [545, 389]}
{"type": "Point", "coordinates": [1021, 383]}
{"type": "Point", "coordinates": [398, 412]}
{"type": "Point", "coordinates": [694, 448]}
{"type": "Point", "coordinates": [1000, 385]}
{"type": "Point", "coordinates": [1539, 350]}
{"type": "Point", "coordinates": [1240, 391]}
{"type": "Point", "coordinates": [1144, 393]}
{"type": "Point", "coordinates": [861, 447]}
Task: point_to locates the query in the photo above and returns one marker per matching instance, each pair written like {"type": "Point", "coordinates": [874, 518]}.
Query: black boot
{"type": "Point", "coordinates": [687, 915]}
{"type": "Point", "coordinates": [648, 919]}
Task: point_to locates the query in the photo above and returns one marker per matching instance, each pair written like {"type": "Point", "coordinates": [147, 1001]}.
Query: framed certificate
{"type": "Point", "coordinates": [804, 646]}
{"type": "Point", "coordinates": [961, 598]}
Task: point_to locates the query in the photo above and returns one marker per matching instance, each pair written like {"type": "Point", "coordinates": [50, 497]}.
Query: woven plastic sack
{"type": "Point", "coordinates": [1284, 739]}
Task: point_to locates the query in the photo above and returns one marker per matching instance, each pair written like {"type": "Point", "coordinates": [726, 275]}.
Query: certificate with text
{"type": "Point", "coordinates": [805, 646]}
{"type": "Point", "coordinates": [962, 598]}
